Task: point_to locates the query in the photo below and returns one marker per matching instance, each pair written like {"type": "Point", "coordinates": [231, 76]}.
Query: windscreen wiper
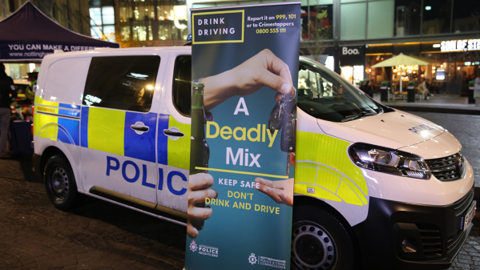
{"type": "Point", "coordinates": [352, 117]}
{"type": "Point", "coordinates": [361, 114]}
{"type": "Point", "coordinates": [368, 113]}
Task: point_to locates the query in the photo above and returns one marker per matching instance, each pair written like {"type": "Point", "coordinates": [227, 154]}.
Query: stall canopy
{"type": "Point", "coordinates": [28, 35]}
{"type": "Point", "coordinates": [400, 60]}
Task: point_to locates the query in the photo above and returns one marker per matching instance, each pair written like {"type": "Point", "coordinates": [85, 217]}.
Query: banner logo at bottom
{"type": "Point", "coordinates": [193, 246]}
{"type": "Point", "coordinates": [252, 259]}
{"type": "Point", "coordinates": [208, 251]}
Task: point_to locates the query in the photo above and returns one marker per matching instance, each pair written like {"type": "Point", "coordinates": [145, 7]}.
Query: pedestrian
{"type": "Point", "coordinates": [422, 89]}
{"type": "Point", "coordinates": [7, 88]}
{"type": "Point", "coordinates": [367, 88]}
{"type": "Point", "coordinates": [32, 78]}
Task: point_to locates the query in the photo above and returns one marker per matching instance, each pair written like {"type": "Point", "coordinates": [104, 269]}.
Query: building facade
{"type": "Point", "coordinates": [150, 22]}
{"type": "Point", "coordinates": [350, 36]}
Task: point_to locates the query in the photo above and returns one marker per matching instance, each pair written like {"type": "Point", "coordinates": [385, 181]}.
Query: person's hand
{"type": "Point", "coordinates": [263, 69]}
{"type": "Point", "coordinates": [280, 191]}
{"type": "Point", "coordinates": [199, 189]}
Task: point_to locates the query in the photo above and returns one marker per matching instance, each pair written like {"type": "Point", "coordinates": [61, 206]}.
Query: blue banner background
{"type": "Point", "coordinates": [239, 234]}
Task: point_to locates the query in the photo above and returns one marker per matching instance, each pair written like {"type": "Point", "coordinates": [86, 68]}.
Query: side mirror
{"type": "Point", "coordinates": [35, 87]}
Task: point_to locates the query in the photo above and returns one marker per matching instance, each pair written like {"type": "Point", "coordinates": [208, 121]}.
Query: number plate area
{"type": "Point", "coordinates": [467, 219]}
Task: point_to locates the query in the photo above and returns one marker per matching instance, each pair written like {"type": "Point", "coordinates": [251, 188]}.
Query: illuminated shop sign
{"type": "Point", "coordinates": [352, 56]}
{"type": "Point", "coordinates": [459, 45]}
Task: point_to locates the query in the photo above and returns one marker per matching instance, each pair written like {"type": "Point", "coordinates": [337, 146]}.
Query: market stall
{"type": "Point", "coordinates": [26, 36]}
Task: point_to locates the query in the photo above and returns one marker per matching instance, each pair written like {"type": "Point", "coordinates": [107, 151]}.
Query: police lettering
{"type": "Point", "coordinates": [113, 164]}
{"type": "Point", "coordinates": [420, 128]}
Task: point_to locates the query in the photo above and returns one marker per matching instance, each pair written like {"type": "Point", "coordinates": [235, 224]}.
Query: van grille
{"type": "Point", "coordinates": [448, 168]}
{"type": "Point", "coordinates": [431, 240]}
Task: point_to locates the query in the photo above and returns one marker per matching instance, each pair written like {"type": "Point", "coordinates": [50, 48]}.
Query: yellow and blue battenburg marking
{"type": "Point", "coordinates": [57, 121]}
{"type": "Point", "coordinates": [179, 156]}
{"type": "Point", "coordinates": [324, 170]}
{"type": "Point", "coordinates": [110, 131]}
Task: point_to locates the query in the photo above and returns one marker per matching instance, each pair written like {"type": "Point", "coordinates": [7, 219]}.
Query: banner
{"type": "Point", "coordinates": [245, 68]}
{"type": "Point", "coordinates": [37, 50]}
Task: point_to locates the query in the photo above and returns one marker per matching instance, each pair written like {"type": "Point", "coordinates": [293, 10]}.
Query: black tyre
{"type": "Point", "coordinates": [60, 183]}
{"type": "Point", "coordinates": [320, 241]}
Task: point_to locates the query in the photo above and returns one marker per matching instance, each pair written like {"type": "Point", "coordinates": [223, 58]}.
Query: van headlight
{"type": "Point", "coordinates": [390, 161]}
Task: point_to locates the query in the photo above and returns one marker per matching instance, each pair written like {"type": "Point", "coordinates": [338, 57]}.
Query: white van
{"type": "Point", "coordinates": [376, 188]}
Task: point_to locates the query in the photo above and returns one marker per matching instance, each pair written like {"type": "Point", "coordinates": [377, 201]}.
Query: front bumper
{"type": "Point", "coordinates": [432, 236]}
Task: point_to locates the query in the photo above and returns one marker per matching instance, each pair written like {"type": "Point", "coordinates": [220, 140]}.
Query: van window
{"type": "Point", "coordinates": [325, 95]}
{"type": "Point", "coordinates": [121, 82]}
{"type": "Point", "coordinates": [182, 80]}
{"type": "Point", "coordinates": [66, 80]}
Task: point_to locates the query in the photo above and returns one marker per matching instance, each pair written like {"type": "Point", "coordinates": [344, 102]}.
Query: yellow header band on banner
{"type": "Point", "coordinates": [240, 172]}
{"type": "Point", "coordinates": [219, 41]}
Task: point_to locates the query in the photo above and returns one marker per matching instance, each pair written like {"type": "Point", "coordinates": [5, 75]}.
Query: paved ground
{"type": "Point", "coordinates": [96, 235]}
{"type": "Point", "coordinates": [438, 103]}
{"type": "Point", "coordinates": [469, 256]}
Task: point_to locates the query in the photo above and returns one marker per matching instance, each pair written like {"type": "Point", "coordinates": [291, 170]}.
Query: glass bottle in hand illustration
{"type": "Point", "coordinates": [200, 151]}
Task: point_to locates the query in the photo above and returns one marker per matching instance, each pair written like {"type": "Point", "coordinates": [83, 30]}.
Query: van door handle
{"type": "Point", "coordinates": [173, 133]}
{"type": "Point", "coordinates": [139, 128]}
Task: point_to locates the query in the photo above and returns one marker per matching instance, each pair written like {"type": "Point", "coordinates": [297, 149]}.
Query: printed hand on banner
{"type": "Point", "coordinates": [199, 189]}
{"type": "Point", "coordinates": [280, 191]}
{"type": "Point", "coordinates": [262, 69]}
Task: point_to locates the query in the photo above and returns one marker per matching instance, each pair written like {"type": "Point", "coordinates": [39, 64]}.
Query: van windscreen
{"type": "Point", "coordinates": [325, 95]}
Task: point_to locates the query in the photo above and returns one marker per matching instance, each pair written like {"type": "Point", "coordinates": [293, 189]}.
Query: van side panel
{"type": "Point", "coordinates": [173, 152]}
{"type": "Point", "coordinates": [119, 127]}
{"type": "Point", "coordinates": [324, 171]}
{"type": "Point", "coordinates": [66, 80]}
{"type": "Point", "coordinates": [173, 164]}
{"type": "Point", "coordinates": [180, 157]}
{"type": "Point", "coordinates": [57, 107]}
{"type": "Point", "coordinates": [105, 130]}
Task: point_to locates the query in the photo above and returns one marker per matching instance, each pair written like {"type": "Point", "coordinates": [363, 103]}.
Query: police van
{"type": "Point", "coordinates": [375, 187]}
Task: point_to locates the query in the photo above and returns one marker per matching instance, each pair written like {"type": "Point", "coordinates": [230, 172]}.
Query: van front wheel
{"type": "Point", "coordinates": [320, 241]}
{"type": "Point", "coordinates": [60, 183]}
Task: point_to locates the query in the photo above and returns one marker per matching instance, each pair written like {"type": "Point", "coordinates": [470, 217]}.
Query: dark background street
{"type": "Point", "coordinates": [100, 235]}
{"type": "Point", "coordinates": [96, 235]}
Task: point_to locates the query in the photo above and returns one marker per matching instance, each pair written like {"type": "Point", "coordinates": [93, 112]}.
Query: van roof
{"type": "Point", "coordinates": [119, 51]}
